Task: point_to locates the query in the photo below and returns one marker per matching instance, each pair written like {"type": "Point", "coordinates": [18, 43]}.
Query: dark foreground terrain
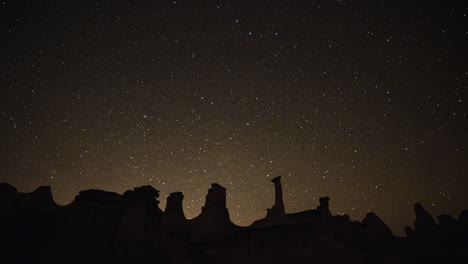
{"type": "Point", "coordinates": [106, 227]}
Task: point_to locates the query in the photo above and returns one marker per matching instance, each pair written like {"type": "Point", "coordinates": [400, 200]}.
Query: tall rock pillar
{"type": "Point", "coordinates": [277, 211]}
{"type": "Point", "coordinates": [174, 218]}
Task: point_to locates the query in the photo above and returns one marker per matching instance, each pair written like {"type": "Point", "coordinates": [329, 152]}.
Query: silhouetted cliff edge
{"type": "Point", "coordinates": [106, 227]}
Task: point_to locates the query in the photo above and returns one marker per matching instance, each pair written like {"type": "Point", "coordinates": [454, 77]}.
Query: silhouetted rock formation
{"type": "Point", "coordinates": [7, 189]}
{"type": "Point", "coordinates": [174, 218]}
{"type": "Point", "coordinates": [176, 229]}
{"type": "Point", "coordinates": [463, 219]}
{"type": "Point", "coordinates": [277, 216]}
{"type": "Point", "coordinates": [277, 211]}
{"type": "Point", "coordinates": [140, 223]}
{"type": "Point", "coordinates": [424, 226]}
{"type": "Point", "coordinates": [324, 207]}
{"type": "Point", "coordinates": [463, 223]}
{"type": "Point", "coordinates": [448, 225]}
{"type": "Point", "coordinates": [213, 222]}
{"type": "Point", "coordinates": [26, 220]}
{"type": "Point", "coordinates": [87, 228]}
{"type": "Point", "coordinates": [409, 232]}
{"type": "Point", "coordinates": [106, 227]}
{"type": "Point", "coordinates": [376, 227]}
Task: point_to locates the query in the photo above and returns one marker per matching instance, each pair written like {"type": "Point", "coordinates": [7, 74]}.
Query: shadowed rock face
{"type": "Point", "coordinates": [106, 227]}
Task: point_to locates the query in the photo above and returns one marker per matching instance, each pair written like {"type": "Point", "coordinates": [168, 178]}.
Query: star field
{"type": "Point", "coordinates": [365, 103]}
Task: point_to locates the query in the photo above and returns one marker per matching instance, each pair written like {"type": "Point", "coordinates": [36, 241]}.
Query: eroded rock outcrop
{"type": "Point", "coordinates": [324, 206]}
{"type": "Point", "coordinates": [424, 226]}
{"type": "Point", "coordinates": [88, 227]}
{"type": "Point", "coordinates": [27, 223]}
{"type": "Point", "coordinates": [277, 211]}
{"type": "Point", "coordinates": [214, 221]}
{"type": "Point", "coordinates": [174, 218]}
{"type": "Point", "coordinates": [376, 228]}
{"type": "Point", "coordinates": [7, 189]}
{"type": "Point", "coordinates": [106, 227]}
{"type": "Point", "coordinates": [409, 232]}
{"type": "Point", "coordinates": [175, 229]}
{"type": "Point", "coordinates": [140, 224]}
{"type": "Point", "coordinates": [448, 225]}
{"type": "Point", "coordinates": [463, 220]}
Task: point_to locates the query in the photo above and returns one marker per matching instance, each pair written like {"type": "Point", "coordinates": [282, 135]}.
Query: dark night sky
{"type": "Point", "coordinates": [362, 101]}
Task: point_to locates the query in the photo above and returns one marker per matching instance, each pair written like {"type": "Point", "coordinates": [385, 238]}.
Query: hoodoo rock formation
{"type": "Point", "coordinates": [324, 207]}
{"type": "Point", "coordinates": [106, 227]}
{"type": "Point", "coordinates": [214, 222]}
{"type": "Point", "coordinates": [277, 211]}
{"type": "Point", "coordinates": [174, 218]}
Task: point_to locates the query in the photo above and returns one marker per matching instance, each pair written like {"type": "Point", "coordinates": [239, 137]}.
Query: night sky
{"type": "Point", "coordinates": [363, 101]}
